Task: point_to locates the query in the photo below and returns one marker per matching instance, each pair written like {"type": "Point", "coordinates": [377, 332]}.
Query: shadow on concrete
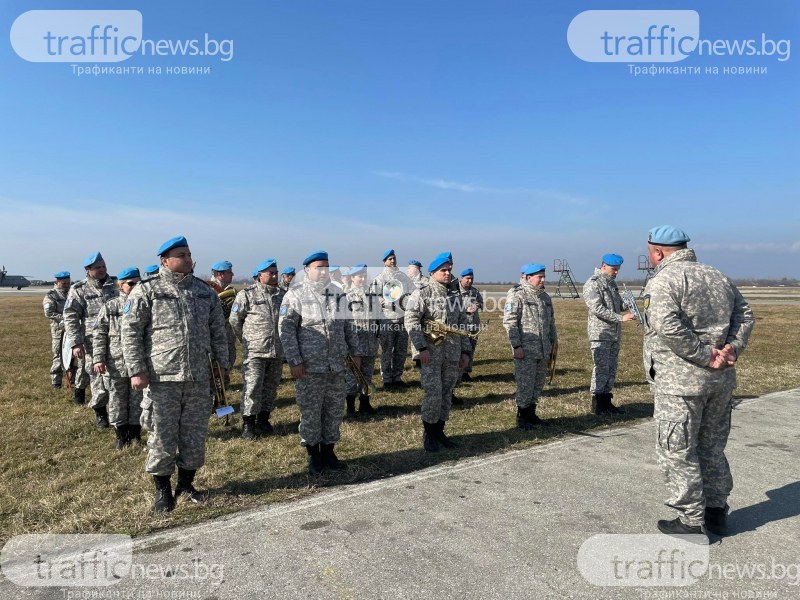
{"type": "Point", "coordinates": [782, 503]}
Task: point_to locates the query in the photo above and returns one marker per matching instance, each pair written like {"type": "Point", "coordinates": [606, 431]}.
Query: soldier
{"type": "Point", "coordinates": [392, 287]}
{"type": "Point", "coordinates": [605, 304]}
{"type": "Point", "coordinates": [441, 363]}
{"type": "Point", "coordinates": [173, 327]}
{"type": "Point", "coordinates": [697, 324]}
{"type": "Point", "coordinates": [473, 302]}
{"type": "Point", "coordinates": [414, 272]}
{"type": "Point", "coordinates": [53, 304]}
{"type": "Point", "coordinates": [151, 271]}
{"type": "Point", "coordinates": [366, 312]}
{"type": "Point", "coordinates": [254, 320]}
{"type": "Point", "coordinates": [531, 325]}
{"type": "Point", "coordinates": [221, 278]}
{"type": "Point", "coordinates": [84, 301]}
{"type": "Point", "coordinates": [287, 276]}
{"type": "Point", "coordinates": [124, 403]}
{"type": "Point", "coordinates": [317, 337]}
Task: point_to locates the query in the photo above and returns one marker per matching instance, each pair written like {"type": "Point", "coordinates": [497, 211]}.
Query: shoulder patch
{"type": "Point", "coordinates": [284, 310]}
{"type": "Point", "coordinates": [647, 301]}
{"type": "Point", "coordinates": [509, 306]}
{"type": "Point", "coordinates": [127, 308]}
{"type": "Point", "coordinates": [235, 307]}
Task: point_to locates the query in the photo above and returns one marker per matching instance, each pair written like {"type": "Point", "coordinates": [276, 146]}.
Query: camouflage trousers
{"type": "Point", "coordinates": [692, 434]}
{"type": "Point", "coordinates": [179, 412]}
{"type": "Point", "coordinates": [124, 403]}
{"type": "Point", "coordinates": [320, 397]}
{"type": "Point", "coordinates": [231, 350]}
{"type": "Point", "coordinates": [394, 347]}
{"type": "Point", "coordinates": [99, 384]}
{"type": "Point", "coordinates": [438, 379]}
{"type": "Point", "coordinates": [530, 375]}
{"type": "Point", "coordinates": [605, 356]}
{"type": "Point", "coordinates": [81, 375]}
{"type": "Point", "coordinates": [56, 369]}
{"type": "Point", "coordinates": [468, 368]}
{"type": "Point", "coordinates": [260, 389]}
{"type": "Point", "coordinates": [367, 368]}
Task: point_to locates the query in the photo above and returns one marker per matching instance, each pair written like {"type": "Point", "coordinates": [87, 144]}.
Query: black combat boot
{"type": "Point", "coordinates": [185, 490]}
{"type": "Point", "coordinates": [429, 441]}
{"type": "Point", "coordinates": [455, 400]}
{"type": "Point", "coordinates": [122, 436]}
{"type": "Point", "coordinates": [442, 438]}
{"type": "Point", "coordinates": [466, 377]}
{"type": "Point", "coordinates": [364, 407]}
{"type": "Point", "coordinates": [597, 405]}
{"type": "Point", "coordinates": [522, 418]}
{"type": "Point", "coordinates": [165, 501]}
{"type": "Point", "coordinates": [263, 426]}
{"type": "Point", "coordinates": [717, 520]}
{"type": "Point", "coordinates": [249, 427]}
{"type": "Point", "coordinates": [329, 459]}
{"type": "Point", "coordinates": [351, 406]}
{"type": "Point", "coordinates": [678, 527]}
{"type": "Point", "coordinates": [535, 419]}
{"type": "Point", "coordinates": [101, 417]}
{"type": "Point", "coordinates": [79, 396]}
{"type": "Point", "coordinates": [614, 410]}
{"type": "Point", "coordinates": [417, 364]}
{"type": "Point", "coordinates": [134, 434]}
{"type": "Point", "coordinates": [314, 459]}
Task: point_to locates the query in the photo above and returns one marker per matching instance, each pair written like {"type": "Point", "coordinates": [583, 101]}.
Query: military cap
{"type": "Point", "coordinates": [92, 258]}
{"type": "Point", "coordinates": [333, 268]}
{"type": "Point", "coordinates": [533, 269]}
{"type": "Point", "coordinates": [288, 271]}
{"type": "Point", "coordinates": [612, 260]}
{"type": "Point", "coordinates": [266, 264]}
{"type": "Point", "coordinates": [439, 261]}
{"type": "Point", "coordinates": [128, 273]}
{"type": "Point", "coordinates": [62, 275]}
{"type": "Point", "coordinates": [151, 270]}
{"type": "Point", "coordinates": [524, 268]}
{"type": "Point", "coordinates": [415, 263]}
{"type": "Point", "coordinates": [359, 268]}
{"type": "Point", "coordinates": [176, 242]}
{"type": "Point", "coordinates": [667, 235]}
{"type": "Point", "coordinates": [387, 254]}
{"type": "Point", "coordinates": [255, 273]}
{"type": "Point", "coordinates": [222, 265]}
{"type": "Point", "coordinates": [318, 255]}
{"type": "Point", "coordinates": [467, 271]}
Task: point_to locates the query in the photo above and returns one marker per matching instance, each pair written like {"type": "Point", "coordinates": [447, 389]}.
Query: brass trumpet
{"type": "Point", "coordinates": [437, 332]}
{"type": "Point", "coordinates": [361, 379]}
{"type": "Point", "coordinates": [218, 384]}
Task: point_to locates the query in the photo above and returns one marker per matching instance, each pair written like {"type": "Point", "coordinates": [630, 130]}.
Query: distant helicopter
{"type": "Point", "coordinates": [12, 281]}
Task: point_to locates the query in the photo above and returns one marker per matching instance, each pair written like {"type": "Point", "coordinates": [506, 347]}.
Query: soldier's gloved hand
{"type": "Point", "coordinates": [298, 371]}
{"type": "Point", "coordinates": [519, 353]}
{"type": "Point", "coordinates": [78, 352]}
{"type": "Point", "coordinates": [99, 368]}
{"type": "Point", "coordinates": [425, 357]}
{"type": "Point", "coordinates": [140, 381]}
{"type": "Point", "coordinates": [462, 364]}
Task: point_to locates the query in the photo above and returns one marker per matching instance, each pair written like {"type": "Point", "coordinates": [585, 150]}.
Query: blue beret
{"type": "Point", "coordinates": [62, 275]}
{"type": "Point", "coordinates": [387, 254]}
{"type": "Point", "coordinates": [318, 255]}
{"type": "Point", "coordinates": [176, 242]}
{"type": "Point", "coordinates": [92, 258]}
{"type": "Point", "coordinates": [532, 268]}
{"type": "Point", "coordinates": [222, 265]}
{"type": "Point", "coordinates": [151, 270]}
{"type": "Point", "coordinates": [466, 272]}
{"type": "Point", "coordinates": [333, 268]}
{"type": "Point", "coordinates": [667, 235]}
{"type": "Point", "coordinates": [612, 260]}
{"type": "Point", "coordinates": [266, 264]}
{"type": "Point", "coordinates": [415, 262]}
{"type": "Point", "coordinates": [441, 259]}
{"type": "Point", "coordinates": [524, 268]}
{"type": "Point", "coordinates": [255, 273]}
{"type": "Point", "coordinates": [128, 273]}
{"type": "Point", "coordinates": [359, 268]}
{"type": "Point", "coordinates": [288, 271]}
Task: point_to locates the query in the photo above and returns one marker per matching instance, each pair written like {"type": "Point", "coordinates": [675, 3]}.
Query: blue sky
{"type": "Point", "coordinates": [356, 126]}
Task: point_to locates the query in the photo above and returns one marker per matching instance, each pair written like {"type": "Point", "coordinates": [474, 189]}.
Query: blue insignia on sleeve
{"type": "Point", "coordinates": [283, 310]}
{"type": "Point", "coordinates": [94, 324]}
{"type": "Point", "coordinates": [235, 307]}
{"type": "Point", "coordinates": [127, 308]}
{"type": "Point", "coordinates": [509, 306]}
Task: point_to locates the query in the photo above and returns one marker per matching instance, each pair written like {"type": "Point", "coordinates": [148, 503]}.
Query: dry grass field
{"type": "Point", "coordinates": [61, 475]}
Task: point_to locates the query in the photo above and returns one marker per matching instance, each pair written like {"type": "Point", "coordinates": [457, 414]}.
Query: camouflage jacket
{"type": "Point", "coordinates": [420, 280]}
{"type": "Point", "coordinates": [473, 304]}
{"type": "Point", "coordinates": [529, 320]}
{"type": "Point", "coordinates": [84, 301]}
{"type": "Point", "coordinates": [172, 323]}
{"type": "Point", "coordinates": [393, 288]}
{"type": "Point", "coordinates": [314, 329]}
{"type": "Point", "coordinates": [254, 320]}
{"type": "Point", "coordinates": [107, 338]}
{"type": "Point", "coordinates": [437, 302]}
{"type": "Point", "coordinates": [691, 308]}
{"type": "Point", "coordinates": [365, 309]}
{"type": "Point", "coordinates": [53, 304]}
{"type": "Point", "coordinates": [604, 302]}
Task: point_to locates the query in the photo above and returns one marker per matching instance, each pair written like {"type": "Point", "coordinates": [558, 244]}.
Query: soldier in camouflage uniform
{"type": "Point", "coordinates": [173, 326]}
{"type": "Point", "coordinates": [317, 335]}
{"type": "Point", "coordinates": [53, 304]}
{"type": "Point", "coordinates": [696, 326]}
{"type": "Point", "coordinates": [441, 364]}
{"type": "Point", "coordinates": [254, 320]}
{"type": "Point", "coordinates": [531, 325]}
{"type": "Point", "coordinates": [124, 403]}
{"type": "Point", "coordinates": [392, 287]}
{"type": "Point", "coordinates": [605, 304]}
{"type": "Point", "coordinates": [221, 278]}
{"type": "Point", "coordinates": [414, 272]}
{"type": "Point", "coordinates": [366, 312]}
{"type": "Point", "coordinates": [473, 303]}
{"type": "Point", "coordinates": [287, 276]}
{"type": "Point", "coordinates": [84, 301]}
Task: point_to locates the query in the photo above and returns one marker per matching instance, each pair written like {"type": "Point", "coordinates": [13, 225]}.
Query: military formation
{"type": "Point", "coordinates": [157, 351]}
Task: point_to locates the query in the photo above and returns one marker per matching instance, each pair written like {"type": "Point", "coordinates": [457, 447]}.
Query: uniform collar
{"type": "Point", "coordinates": [682, 255]}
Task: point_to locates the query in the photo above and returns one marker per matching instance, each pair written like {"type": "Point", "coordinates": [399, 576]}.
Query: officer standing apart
{"type": "Point", "coordinates": [605, 304]}
{"type": "Point", "coordinates": [221, 280]}
{"type": "Point", "coordinates": [441, 364]}
{"type": "Point", "coordinates": [53, 304]}
{"type": "Point", "coordinates": [697, 324]}
{"type": "Point", "coordinates": [84, 301]}
{"type": "Point", "coordinates": [531, 325]}
{"type": "Point", "coordinates": [254, 320]}
{"type": "Point", "coordinates": [317, 335]}
{"type": "Point", "coordinates": [172, 327]}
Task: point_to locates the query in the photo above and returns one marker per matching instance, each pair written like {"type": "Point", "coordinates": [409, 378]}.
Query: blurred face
{"type": "Point", "coordinates": [467, 281]}
{"type": "Point", "coordinates": [391, 261]}
{"type": "Point", "coordinates": [224, 277]}
{"type": "Point", "coordinates": [288, 278]}
{"type": "Point", "coordinates": [317, 271]}
{"type": "Point", "coordinates": [97, 270]}
{"type": "Point", "coordinates": [127, 285]}
{"type": "Point", "coordinates": [358, 280]}
{"type": "Point", "coordinates": [444, 274]}
{"type": "Point", "coordinates": [269, 277]}
{"type": "Point", "coordinates": [63, 284]}
{"type": "Point", "coordinates": [536, 280]}
{"type": "Point", "coordinates": [609, 270]}
{"type": "Point", "coordinates": [413, 271]}
{"type": "Point", "coordinates": [178, 260]}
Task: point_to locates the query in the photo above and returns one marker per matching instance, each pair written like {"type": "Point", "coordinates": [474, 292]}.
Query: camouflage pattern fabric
{"type": "Point", "coordinates": [393, 336]}
{"type": "Point", "coordinates": [602, 297]}
{"type": "Point", "coordinates": [124, 403]}
{"type": "Point", "coordinates": [320, 398]}
{"type": "Point", "coordinates": [261, 376]}
{"type": "Point", "coordinates": [530, 375]}
{"type": "Point", "coordinates": [363, 309]}
{"type": "Point", "coordinates": [605, 357]}
{"type": "Point", "coordinates": [473, 304]}
{"type": "Point", "coordinates": [53, 304]}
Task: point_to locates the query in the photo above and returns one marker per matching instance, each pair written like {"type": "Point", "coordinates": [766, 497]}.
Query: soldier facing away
{"type": "Point", "coordinates": [53, 304]}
